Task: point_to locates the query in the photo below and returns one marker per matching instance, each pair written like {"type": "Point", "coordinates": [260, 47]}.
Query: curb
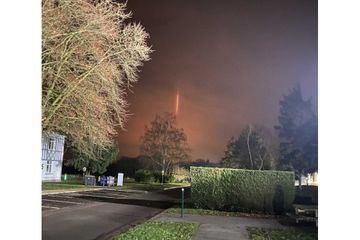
{"type": "Point", "coordinates": [128, 190]}
{"type": "Point", "coordinates": [93, 189]}
{"type": "Point", "coordinates": [169, 188]}
{"type": "Point", "coordinates": [110, 235]}
{"type": "Point", "coordinates": [71, 191]}
{"type": "Point", "coordinates": [158, 215]}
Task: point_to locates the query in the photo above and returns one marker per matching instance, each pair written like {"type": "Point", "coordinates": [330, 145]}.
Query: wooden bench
{"type": "Point", "coordinates": [301, 209]}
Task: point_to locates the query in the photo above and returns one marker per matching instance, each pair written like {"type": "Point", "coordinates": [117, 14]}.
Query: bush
{"type": "Point", "coordinates": [157, 176]}
{"type": "Point", "coordinates": [143, 175]}
{"type": "Point", "coordinates": [242, 190]}
{"type": "Point", "coordinates": [181, 174]}
{"type": "Point", "coordinates": [170, 179]}
{"type": "Point", "coordinates": [167, 178]}
{"type": "Point", "coordinates": [73, 179]}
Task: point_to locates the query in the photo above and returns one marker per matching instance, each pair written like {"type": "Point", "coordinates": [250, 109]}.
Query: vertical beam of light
{"type": "Point", "coordinates": [177, 104]}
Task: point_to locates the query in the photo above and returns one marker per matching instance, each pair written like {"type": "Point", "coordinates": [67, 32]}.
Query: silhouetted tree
{"type": "Point", "coordinates": [165, 144]}
{"type": "Point", "coordinates": [247, 151]}
{"type": "Point", "coordinates": [298, 132]}
{"type": "Point", "coordinates": [126, 165]}
{"type": "Point", "coordinates": [97, 164]}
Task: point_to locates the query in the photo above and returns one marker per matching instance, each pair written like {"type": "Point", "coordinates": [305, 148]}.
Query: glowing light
{"type": "Point", "coordinates": [177, 104]}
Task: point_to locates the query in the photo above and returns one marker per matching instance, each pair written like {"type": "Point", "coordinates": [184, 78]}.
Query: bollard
{"type": "Point", "coordinates": [65, 177]}
{"type": "Point", "coordinates": [182, 202]}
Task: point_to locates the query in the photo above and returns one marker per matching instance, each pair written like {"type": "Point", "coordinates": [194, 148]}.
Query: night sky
{"type": "Point", "coordinates": [231, 61]}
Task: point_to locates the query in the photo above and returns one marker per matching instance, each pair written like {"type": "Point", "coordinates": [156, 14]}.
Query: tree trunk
{"type": "Point", "coordinates": [248, 145]}
{"type": "Point", "coordinates": [262, 161]}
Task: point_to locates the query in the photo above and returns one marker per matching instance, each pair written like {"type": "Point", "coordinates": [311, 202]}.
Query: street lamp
{"type": "Point", "coordinates": [84, 170]}
{"type": "Point", "coordinates": [182, 202]}
{"type": "Point", "coordinates": [162, 176]}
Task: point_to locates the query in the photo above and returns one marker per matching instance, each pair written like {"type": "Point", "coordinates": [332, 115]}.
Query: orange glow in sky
{"type": "Point", "coordinates": [177, 104]}
{"type": "Point", "coordinates": [232, 62]}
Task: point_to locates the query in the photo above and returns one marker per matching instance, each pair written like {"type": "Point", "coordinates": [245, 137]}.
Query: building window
{"type": "Point", "coordinates": [51, 144]}
{"type": "Point", "coordinates": [48, 166]}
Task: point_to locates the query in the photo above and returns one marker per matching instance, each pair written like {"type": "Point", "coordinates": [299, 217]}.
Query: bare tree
{"type": "Point", "coordinates": [268, 140]}
{"type": "Point", "coordinates": [90, 57]}
{"type": "Point", "coordinates": [248, 146]}
{"type": "Point", "coordinates": [164, 143]}
{"type": "Point", "coordinates": [249, 150]}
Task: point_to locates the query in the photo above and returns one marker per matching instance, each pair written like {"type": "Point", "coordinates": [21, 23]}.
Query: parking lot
{"type": "Point", "coordinates": [53, 202]}
{"type": "Point", "coordinates": [57, 201]}
{"type": "Point", "coordinates": [97, 214]}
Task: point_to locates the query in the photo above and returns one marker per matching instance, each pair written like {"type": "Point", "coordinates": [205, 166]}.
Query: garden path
{"type": "Point", "coordinates": [221, 227]}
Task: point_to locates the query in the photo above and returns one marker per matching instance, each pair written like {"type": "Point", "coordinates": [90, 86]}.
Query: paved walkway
{"type": "Point", "coordinates": [220, 227]}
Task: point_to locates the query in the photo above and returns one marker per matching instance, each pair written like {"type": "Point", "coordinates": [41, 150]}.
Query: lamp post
{"type": "Point", "coordinates": [182, 202]}
{"type": "Point", "coordinates": [84, 170]}
{"type": "Point", "coordinates": [162, 176]}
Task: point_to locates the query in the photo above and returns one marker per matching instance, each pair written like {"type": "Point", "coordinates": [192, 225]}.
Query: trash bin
{"type": "Point", "coordinates": [120, 179]}
{"type": "Point", "coordinates": [90, 180]}
{"type": "Point", "coordinates": [103, 181]}
{"type": "Point", "coordinates": [110, 181]}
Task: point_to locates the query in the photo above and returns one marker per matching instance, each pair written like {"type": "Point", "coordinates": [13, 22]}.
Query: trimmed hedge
{"type": "Point", "coordinates": [242, 190]}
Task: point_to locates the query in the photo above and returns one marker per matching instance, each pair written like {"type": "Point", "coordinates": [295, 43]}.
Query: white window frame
{"type": "Point", "coordinates": [52, 144]}
{"type": "Point", "coordinates": [48, 167]}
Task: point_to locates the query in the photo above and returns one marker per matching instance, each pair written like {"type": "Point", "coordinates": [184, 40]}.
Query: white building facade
{"type": "Point", "coordinates": [52, 156]}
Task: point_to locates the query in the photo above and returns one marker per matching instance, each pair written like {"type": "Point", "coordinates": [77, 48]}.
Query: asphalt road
{"type": "Point", "coordinates": [99, 214]}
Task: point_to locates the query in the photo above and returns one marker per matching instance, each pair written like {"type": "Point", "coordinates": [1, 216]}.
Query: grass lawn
{"type": "Point", "coordinates": [279, 234]}
{"type": "Point", "coordinates": [73, 182]}
{"type": "Point", "coordinates": [76, 182]}
{"type": "Point", "coordinates": [153, 230]}
{"type": "Point", "coordinates": [201, 211]}
{"type": "Point", "coordinates": [60, 186]}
